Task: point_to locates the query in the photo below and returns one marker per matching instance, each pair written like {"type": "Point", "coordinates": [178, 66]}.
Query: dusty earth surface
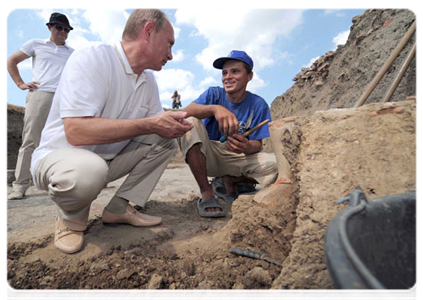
{"type": "Point", "coordinates": [184, 252]}
{"type": "Point", "coordinates": [331, 152]}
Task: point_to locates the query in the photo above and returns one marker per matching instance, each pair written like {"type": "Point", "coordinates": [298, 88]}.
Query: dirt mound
{"type": "Point", "coordinates": [15, 116]}
{"type": "Point", "coordinates": [339, 78]}
{"type": "Point", "coordinates": [372, 147]}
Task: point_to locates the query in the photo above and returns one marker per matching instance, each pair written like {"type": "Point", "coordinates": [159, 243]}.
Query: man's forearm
{"type": "Point", "coordinates": [12, 66]}
{"type": "Point", "coordinates": [254, 146]}
{"type": "Point", "coordinates": [199, 111]}
{"type": "Point", "coordinates": [13, 70]}
{"type": "Point", "coordinates": [94, 131]}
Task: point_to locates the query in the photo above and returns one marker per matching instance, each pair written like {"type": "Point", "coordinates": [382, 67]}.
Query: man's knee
{"type": "Point", "coordinates": [197, 135]}
{"type": "Point", "coordinates": [77, 186]}
{"type": "Point", "coordinates": [269, 165]}
{"type": "Point", "coordinates": [170, 147]}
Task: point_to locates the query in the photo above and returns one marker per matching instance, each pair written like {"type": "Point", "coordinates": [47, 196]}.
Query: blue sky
{"type": "Point", "coordinates": [280, 41]}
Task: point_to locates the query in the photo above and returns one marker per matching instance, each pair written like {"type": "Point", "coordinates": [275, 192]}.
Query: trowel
{"type": "Point", "coordinates": [256, 255]}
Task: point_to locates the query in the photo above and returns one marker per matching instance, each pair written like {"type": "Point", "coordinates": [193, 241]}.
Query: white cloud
{"type": "Point", "coordinates": [169, 80]}
{"type": "Point", "coordinates": [208, 81]}
{"type": "Point", "coordinates": [330, 11]}
{"type": "Point", "coordinates": [178, 56]}
{"type": "Point", "coordinates": [311, 62]}
{"type": "Point", "coordinates": [45, 14]}
{"type": "Point", "coordinates": [107, 24]}
{"type": "Point", "coordinates": [254, 31]}
{"type": "Point", "coordinates": [176, 31]}
{"type": "Point", "coordinates": [173, 79]}
{"type": "Point", "coordinates": [336, 12]}
{"type": "Point", "coordinates": [76, 40]}
{"type": "Point", "coordinates": [256, 83]}
{"type": "Point", "coordinates": [341, 38]}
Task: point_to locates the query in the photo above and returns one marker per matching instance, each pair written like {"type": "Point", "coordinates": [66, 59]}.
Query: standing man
{"type": "Point", "coordinates": [228, 112]}
{"type": "Point", "coordinates": [106, 122]}
{"type": "Point", "coordinates": [48, 60]}
{"type": "Point", "coordinates": [176, 100]}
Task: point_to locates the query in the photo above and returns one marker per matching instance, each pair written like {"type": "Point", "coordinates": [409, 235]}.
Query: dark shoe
{"type": "Point", "coordinates": [228, 198]}
{"type": "Point", "coordinates": [242, 188]}
{"type": "Point", "coordinates": [210, 203]}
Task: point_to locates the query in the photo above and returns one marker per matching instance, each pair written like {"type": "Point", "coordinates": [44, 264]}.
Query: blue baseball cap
{"type": "Point", "coordinates": [234, 55]}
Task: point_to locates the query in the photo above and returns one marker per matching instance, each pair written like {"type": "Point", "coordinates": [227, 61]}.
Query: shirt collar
{"type": "Point", "coordinates": [48, 41]}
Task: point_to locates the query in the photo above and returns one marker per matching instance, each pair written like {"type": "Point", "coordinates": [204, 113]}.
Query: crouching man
{"type": "Point", "coordinates": [228, 112]}
{"type": "Point", "coordinates": [106, 122]}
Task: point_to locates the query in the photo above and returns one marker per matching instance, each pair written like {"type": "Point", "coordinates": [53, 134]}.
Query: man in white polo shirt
{"type": "Point", "coordinates": [106, 122]}
{"type": "Point", "coordinates": [48, 60]}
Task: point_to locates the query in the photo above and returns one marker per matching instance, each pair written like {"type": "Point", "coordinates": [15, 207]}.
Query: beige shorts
{"type": "Point", "coordinates": [260, 166]}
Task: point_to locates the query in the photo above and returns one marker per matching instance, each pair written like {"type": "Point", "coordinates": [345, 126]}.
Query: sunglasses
{"type": "Point", "coordinates": [60, 28]}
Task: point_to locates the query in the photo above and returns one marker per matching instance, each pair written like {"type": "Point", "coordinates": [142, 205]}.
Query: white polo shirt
{"type": "Point", "coordinates": [48, 61]}
{"type": "Point", "coordinates": [98, 82]}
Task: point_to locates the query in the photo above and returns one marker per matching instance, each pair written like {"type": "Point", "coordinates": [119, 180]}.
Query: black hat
{"type": "Point", "coordinates": [58, 18]}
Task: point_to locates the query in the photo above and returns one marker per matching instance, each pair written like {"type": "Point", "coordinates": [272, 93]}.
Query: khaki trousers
{"type": "Point", "coordinates": [260, 166]}
{"type": "Point", "coordinates": [74, 177]}
{"type": "Point", "coordinates": [38, 105]}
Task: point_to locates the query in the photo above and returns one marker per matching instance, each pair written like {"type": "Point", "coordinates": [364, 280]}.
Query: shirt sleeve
{"type": "Point", "coordinates": [84, 84]}
{"type": "Point", "coordinates": [28, 48]}
{"type": "Point", "coordinates": [204, 98]}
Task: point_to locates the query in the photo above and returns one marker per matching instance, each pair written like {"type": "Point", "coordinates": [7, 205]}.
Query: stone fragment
{"type": "Point", "coordinates": [155, 282]}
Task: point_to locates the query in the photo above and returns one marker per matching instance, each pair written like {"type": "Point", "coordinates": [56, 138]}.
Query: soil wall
{"type": "Point", "coordinates": [339, 78]}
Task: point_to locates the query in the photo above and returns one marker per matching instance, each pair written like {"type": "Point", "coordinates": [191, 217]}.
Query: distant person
{"type": "Point", "coordinates": [176, 100]}
{"type": "Point", "coordinates": [48, 60]}
{"type": "Point", "coordinates": [228, 112]}
{"type": "Point", "coordinates": [106, 122]}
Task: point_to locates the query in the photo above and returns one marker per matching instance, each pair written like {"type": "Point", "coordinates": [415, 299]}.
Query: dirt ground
{"type": "Point", "coordinates": [331, 153]}
{"type": "Point", "coordinates": [184, 252]}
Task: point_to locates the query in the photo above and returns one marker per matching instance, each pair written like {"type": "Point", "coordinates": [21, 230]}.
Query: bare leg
{"type": "Point", "coordinates": [197, 163]}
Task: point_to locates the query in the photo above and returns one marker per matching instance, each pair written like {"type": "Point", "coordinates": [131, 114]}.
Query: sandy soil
{"type": "Point", "coordinates": [184, 252]}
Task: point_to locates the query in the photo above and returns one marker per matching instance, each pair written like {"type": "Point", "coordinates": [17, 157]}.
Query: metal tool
{"type": "Point", "coordinates": [255, 255]}
{"type": "Point", "coordinates": [247, 125]}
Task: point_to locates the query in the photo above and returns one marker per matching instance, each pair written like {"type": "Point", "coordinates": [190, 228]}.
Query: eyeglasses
{"type": "Point", "coordinates": [60, 28]}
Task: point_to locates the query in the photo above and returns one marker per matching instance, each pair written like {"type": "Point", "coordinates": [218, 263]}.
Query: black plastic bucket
{"type": "Point", "coordinates": [372, 245]}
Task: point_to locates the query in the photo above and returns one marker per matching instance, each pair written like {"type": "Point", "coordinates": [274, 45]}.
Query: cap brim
{"type": "Point", "coordinates": [218, 63]}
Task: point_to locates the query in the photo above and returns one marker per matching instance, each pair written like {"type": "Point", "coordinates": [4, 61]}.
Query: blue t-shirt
{"type": "Point", "coordinates": [252, 104]}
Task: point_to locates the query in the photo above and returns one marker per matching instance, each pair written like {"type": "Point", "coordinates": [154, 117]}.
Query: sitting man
{"type": "Point", "coordinates": [227, 113]}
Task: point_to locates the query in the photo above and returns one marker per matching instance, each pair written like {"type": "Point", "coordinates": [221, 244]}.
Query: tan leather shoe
{"type": "Point", "coordinates": [67, 240]}
{"type": "Point", "coordinates": [132, 217]}
{"type": "Point", "coordinates": [15, 195]}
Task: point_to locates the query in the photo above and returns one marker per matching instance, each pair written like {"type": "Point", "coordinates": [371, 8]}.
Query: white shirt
{"type": "Point", "coordinates": [98, 82]}
{"type": "Point", "coordinates": [48, 61]}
